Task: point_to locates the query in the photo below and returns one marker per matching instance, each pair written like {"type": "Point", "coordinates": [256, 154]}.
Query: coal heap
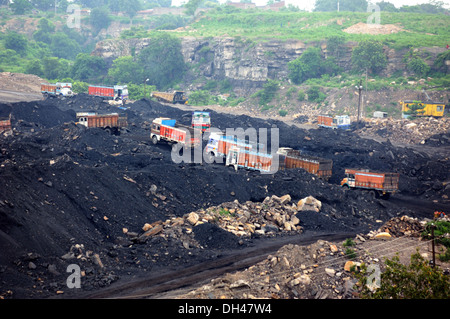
{"type": "Point", "coordinates": [67, 189]}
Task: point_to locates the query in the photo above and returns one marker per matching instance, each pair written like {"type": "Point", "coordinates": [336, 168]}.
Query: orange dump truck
{"type": "Point", "coordinates": [5, 125]}
{"type": "Point", "coordinates": [378, 184]}
{"type": "Point", "coordinates": [290, 158]}
{"type": "Point", "coordinates": [110, 122]}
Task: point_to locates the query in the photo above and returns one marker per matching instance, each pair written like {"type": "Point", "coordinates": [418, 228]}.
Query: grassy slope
{"type": "Point", "coordinates": [421, 29]}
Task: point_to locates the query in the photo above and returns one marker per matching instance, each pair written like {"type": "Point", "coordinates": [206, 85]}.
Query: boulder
{"type": "Point", "coordinates": [309, 203]}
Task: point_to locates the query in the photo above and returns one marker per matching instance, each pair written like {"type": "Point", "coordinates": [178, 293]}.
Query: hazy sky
{"type": "Point", "coordinates": [309, 4]}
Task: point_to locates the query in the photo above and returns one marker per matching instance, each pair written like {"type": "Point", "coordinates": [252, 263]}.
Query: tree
{"type": "Point", "coordinates": [132, 7]}
{"type": "Point", "coordinates": [99, 18]}
{"type": "Point", "coordinates": [418, 280]}
{"type": "Point", "coordinates": [162, 61]}
{"type": "Point", "coordinates": [335, 46]}
{"type": "Point", "coordinates": [344, 5]}
{"type": "Point", "coordinates": [34, 67]}
{"type": "Point", "coordinates": [418, 66]}
{"type": "Point", "coordinates": [310, 65]}
{"type": "Point", "coordinates": [125, 70]}
{"type": "Point", "coordinates": [20, 6]}
{"type": "Point", "coordinates": [88, 67]}
{"type": "Point", "coordinates": [44, 31]}
{"type": "Point", "coordinates": [369, 56]}
{"type": "Point", "coordinates": [192, 6]}
{"type": "Point", "coordinates": [387, 6]}
{"type": "Point", "coordinates": [296, 74]}
{"type": "Point", "coordinates": [16, 42]}
{"type": "Point", "coordinates": [64, 47]}
{"type": "Point", "coordinates": [55, 68]}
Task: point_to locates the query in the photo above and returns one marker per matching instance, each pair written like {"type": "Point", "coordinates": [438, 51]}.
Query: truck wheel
{"type": "Point", "coordinates": [209, 157]}
{"type": "Point", "coordinates": [154, 139]}
{"type": "Point", "coordinates": [373, 194]}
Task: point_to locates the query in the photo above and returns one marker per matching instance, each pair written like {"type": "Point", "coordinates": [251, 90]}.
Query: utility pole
{"type": "Point", "coordinates": [432, 245]}
{"type": "Point", "coordinates": [359, 88]}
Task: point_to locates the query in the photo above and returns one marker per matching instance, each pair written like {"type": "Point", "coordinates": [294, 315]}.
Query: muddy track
{"type": "Point", "coordinates": [164, 285]}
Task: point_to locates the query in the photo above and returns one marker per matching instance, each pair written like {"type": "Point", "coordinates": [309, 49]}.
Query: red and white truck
{"type": "Point", "coordinates": [242, 158]}
{"type": "Point", "coordinates": [377, 183]}
{"type": "Point", "coordinates": [219, 145]}
{"type": "Point", "coordinates": [112, 122]}
{"type": "Point", "coordinates": [337, 122]}
{"type": "Point", "coordinates": [57, 89]}
{"type": "Point", "coordinates": [116, 92]}
{"type": "Point", "coordinates": [168, 130]}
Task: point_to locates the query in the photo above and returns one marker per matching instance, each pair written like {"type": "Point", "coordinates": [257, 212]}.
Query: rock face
{"type": "Point", "coordinates": [246, 63]}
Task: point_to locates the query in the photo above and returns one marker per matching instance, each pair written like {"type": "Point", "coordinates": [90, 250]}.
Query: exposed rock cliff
{"type": "Point", "coordinates": [246, 63]}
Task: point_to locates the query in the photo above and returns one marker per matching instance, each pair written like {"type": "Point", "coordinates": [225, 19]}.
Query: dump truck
{"type": "Point", "coordinates": [218, 145]}
{"type": "Point", "coordinates": [290, 158]}
{"type": "Point", "coordinates": [242, 158]}
{"type": "Point", "coordinates": [201, 120]}
{"type": "Point", "coordinates": [56, 90]}
{"type": "Point", "coordinates": [174, 97]}
{"type": "Point", "coordinates": [377, 183]}
{"type": "Point", "coordinates": [168, 130]}
{"type": "Point", "coordinates": [112, 122]}
{"type": "Point", "coordinates": [116, 92]}
{"type": "Point", "coordinates": [5, 125]}
{"type": "Point", "coordinates": [337, 122]}
{"type": "Point", "coordinates": [429, 108]}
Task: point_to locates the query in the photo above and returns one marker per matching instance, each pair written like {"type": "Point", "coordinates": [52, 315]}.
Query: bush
{"type": "Point", "coordinates": [442, 229]}
{"type": "Point", "coordinates": [301, 95]}
{"type": "Point", "coordinates": [369, 55]}
{"type": "Point", "coordinates": [16, 42]}
{"type": "Point", "coordinates": [315, 95]}
{"type": "Point", "coordinates": [201, 97]}
{"type": "Point", "coordinates": [267, 94]}
{"type": "Point", "coordinates": [282, 112]}
{"type": "Point", "coordinates": [418, 280]}
{"type": "Point", "coordinates": [418, 66]}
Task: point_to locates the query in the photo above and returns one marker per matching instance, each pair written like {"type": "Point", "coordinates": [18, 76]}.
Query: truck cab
{"type": "Point", "coordinates": [121, 92]}
{"type": "Point", "coordinates": [341, 122]}
{"type": "Point", "coordinates": [348, 181]}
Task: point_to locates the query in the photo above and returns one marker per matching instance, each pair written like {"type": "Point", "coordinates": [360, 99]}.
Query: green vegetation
{"type": "Point", "coordinates": [417, 280]}
{"type": "Point", "coordinates": [55, 51]}
{"type": "Point", "coordinates": [268, 92]}
{"type": "Point", "coordinates": [311, 64]}
{"type": "Point", "coordinates": [441, 232]}
{"type": "Point", "coordinates": [422, 29]}
{"type": "Point", "coordinates": [369, 56]}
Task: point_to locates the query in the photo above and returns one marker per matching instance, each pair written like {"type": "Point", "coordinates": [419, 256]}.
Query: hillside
{"type": "Point", "coordinates": [398, 30]}
{"type": "Point", "coordinates": [86, 214]}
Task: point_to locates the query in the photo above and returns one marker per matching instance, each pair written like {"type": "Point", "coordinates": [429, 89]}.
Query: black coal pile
{"type": "Point", "coordinates": [72, 195]}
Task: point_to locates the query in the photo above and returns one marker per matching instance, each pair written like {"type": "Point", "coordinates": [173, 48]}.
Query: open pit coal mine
{"type": "Point", "coordinates": [71, 195]}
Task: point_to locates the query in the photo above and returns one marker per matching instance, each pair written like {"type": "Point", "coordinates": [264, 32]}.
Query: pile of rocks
{"type": "Point", "coordinates": [399, 227]}
{"type": "Point", "coordinates": [420, 130]}
{"type": "Point", "coordinates": [273, 215]}
{"type": "Point", "coordinates": [322, 270]}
